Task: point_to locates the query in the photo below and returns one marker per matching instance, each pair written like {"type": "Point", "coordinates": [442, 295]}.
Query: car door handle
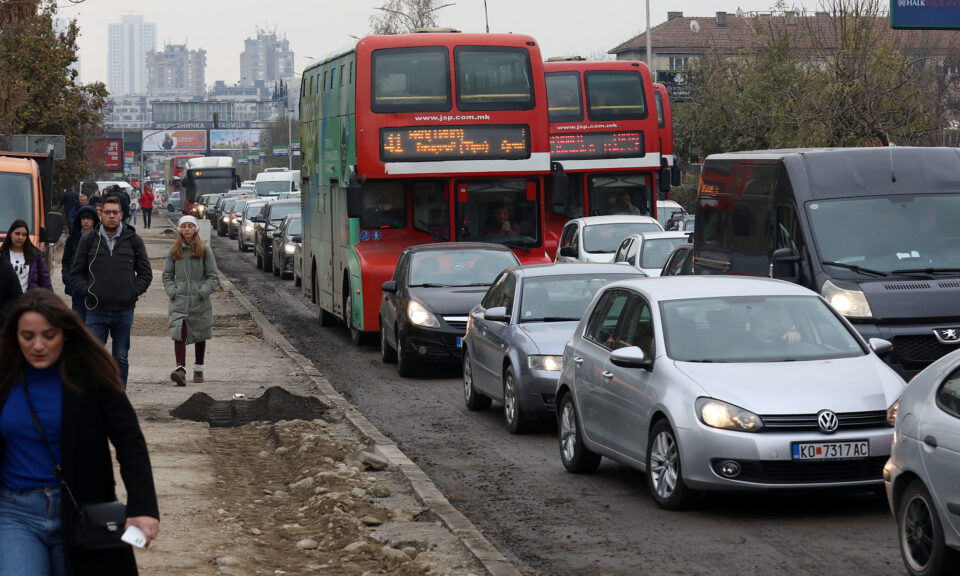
{"type": "Point", "coordinates": [930, 441]}
{"type": "Point", "coordinates": [606, 374]}
{"type": "Point", "coordinates": [577, 360]}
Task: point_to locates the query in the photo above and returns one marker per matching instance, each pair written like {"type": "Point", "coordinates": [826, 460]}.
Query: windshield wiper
{"type": "Point", "coordinates": [428, 285]}
{"type": "Point", "coordinates": [855, 268]}
{"type": "Point", "coordinates": [930, 270]}
{"type": "Point", "coordinates": [471, 285]}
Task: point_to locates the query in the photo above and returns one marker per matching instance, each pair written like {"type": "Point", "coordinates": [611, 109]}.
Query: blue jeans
{"type": "Point", "coordinates": [30, 540]}
{"type": "Point", "coordinates": [116, 323]}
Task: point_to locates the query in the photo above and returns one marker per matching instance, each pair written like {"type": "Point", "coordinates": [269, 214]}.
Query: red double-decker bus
{"type": "Point", "coordinates": [609, 137]}
{"type": "Point", "coordinates": [417, 138]}
{"type": "Point", "coordinates": [174, 167]}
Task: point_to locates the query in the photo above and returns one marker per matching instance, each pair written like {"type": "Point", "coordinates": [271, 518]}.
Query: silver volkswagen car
{"type": "Point", "coordinates": [922, 476]}
{"type": "Point", "coordinates": [724, 383]}
{"type": "Point", "coordinates": [515, 337]}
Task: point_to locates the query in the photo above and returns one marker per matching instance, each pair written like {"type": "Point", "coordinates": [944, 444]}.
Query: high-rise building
{"type": "Point", "coordinates": [129, 41]}
{"type": "Point", "coordinates": [176, 71]}
{"type": "Point", "coordinates": [267, 58]}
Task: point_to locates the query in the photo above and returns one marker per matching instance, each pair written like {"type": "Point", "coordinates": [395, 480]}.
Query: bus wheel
{"type": "Point", "coordinates": [355, 335]}
{"type": "Point", "coordinates": [326, 318]}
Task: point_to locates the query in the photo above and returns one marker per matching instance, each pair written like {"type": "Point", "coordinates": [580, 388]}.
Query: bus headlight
{"type": "Point", "coordinates": [851, 303]}
{"type": "Point", "coordinates": [420, 315]}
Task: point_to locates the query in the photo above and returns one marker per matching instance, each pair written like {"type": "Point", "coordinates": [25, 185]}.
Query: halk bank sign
{"type": "Point", "coordinates": [929, 14]}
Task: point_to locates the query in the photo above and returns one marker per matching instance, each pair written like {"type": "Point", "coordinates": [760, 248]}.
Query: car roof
{"type": "Point", "coordinates": [664, 288]}
{"type": "Point", "coordinates": [665, 234]}
{"type": "Point", "coordinates": [458, 246]}
{"type": "Point", "coordinates": [615, 219]}
{"type": "Point", "coordinates": [565, 268]}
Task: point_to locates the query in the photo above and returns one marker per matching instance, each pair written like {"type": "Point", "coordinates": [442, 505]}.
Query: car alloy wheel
{"type": "Point", "coordinates": [471, 397]}
{"type": "Point", "coordinates": [664, 474]}
{"type": "Point", "coordinates": [406, 366]}
{"type": "Point", "coordinates": [516, 421]}
{"type": "Point", "coordinates": [921, 534]}
{"type": "Point", "coordinates": [575, 456]}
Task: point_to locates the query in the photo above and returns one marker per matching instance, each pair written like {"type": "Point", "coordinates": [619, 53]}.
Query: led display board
{"type": "Point", "coordinates": [479, 142]}
{"type": "Point", "coordinates": [929, 14]}
{"type": "Point", "coordinates": [589, 145]}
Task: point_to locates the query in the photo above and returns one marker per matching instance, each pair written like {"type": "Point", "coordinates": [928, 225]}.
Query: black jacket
{"type": "Point", "coordinates": [90, 423]}
{"type": "Point", "coordinates": [9, 289]}
{"type": "Point", "coordinates": [73, 240]}
{"type": "Point", "coordinates": [111, 282]}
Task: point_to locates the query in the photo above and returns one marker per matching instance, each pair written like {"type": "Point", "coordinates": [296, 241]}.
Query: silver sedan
{"type": "Point", "coordinates": [724, 383]}
{"type": "Point", "coordinates": [515, 336]}
{"type": "Point", "coordinates": [923, 473]}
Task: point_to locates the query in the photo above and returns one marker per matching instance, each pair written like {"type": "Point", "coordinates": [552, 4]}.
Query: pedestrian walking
{"type": "Point", "coordinates": [146, 206]}
{"type": "Point", "coordinates": [111, 270]}
{"type": "Point", "coordinates": [26, 259]}
{"type": "Point", "coordinates": [85, 221]}
{"type": "Point", "coordinates": [10, 290]}
{"type": "Point", "coordinates": [134, 206]}
{"type": "Point", "coordinates": [189, 278]}
{"type": "Point", "coordinates": [69, 203]}
{"type": "Point", "coordinates": [62, 407]}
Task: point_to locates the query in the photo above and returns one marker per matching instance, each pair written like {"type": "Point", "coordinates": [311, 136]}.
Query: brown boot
{"type": "Point", "coordinates": [179, 376]}
{"type": "Point", "coordinates": [198, 375]}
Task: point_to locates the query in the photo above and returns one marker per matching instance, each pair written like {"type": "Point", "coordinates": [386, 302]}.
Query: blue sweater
{"type": "Point", "coordinates": [26, 461]}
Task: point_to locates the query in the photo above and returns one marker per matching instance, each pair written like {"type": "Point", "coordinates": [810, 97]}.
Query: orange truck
{"type": "Point", "coordinates": [26, 192]}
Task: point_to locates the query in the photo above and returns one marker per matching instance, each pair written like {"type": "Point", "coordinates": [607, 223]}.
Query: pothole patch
{"type": "Point", "coordinates": [274, 405]}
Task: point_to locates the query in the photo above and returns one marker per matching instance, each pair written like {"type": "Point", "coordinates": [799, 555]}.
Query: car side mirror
{"type": "Point", "coordinates": [569, 251]}
{"type": "Point", "coordinates": [496, 314]}
{"type": "Point", "coordinates": [276, 234]}
{"type": "Point", "coordinates": [54, 227]}
{"type": "Point", "coordinates": [880, 346]}
{"type": "Point", "coordinates": [296, 239]}
{"type": "Point", "coordinates": [631, 357]}
{"type": "Point", "coordinates": [784, 265]}
{"type": "Point", "coordinates": [390, 286]}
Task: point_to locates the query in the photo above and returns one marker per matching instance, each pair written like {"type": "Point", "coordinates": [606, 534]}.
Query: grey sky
{"type": "Point", "coordinates": [317, 27]}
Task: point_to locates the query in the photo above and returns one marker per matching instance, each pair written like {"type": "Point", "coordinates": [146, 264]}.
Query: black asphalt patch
{"type": "Point", "coordinates": [275, 405]}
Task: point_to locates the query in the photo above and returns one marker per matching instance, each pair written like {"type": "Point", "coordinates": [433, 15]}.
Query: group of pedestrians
{"type": "Point", "coordinates": [63, 397]}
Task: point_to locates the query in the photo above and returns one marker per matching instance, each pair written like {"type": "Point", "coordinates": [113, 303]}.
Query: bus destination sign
{"type": "Point", "coordinates": [590, 145]}
{"type": "Point", "coordinates": [479, 142]}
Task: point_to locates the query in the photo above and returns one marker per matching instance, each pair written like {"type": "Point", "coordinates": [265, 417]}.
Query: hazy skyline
{"type": "Point", "coordinates": [318, 27]}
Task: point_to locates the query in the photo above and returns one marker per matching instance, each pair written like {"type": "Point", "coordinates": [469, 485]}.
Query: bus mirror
{"type": "Point", "coordinates": [784, 265]}
{"type": "Point", "coordinates": [559, 184]}
{"type": "Point", "coordinates": [54, 227]}
{"type": "Point", "coordinates": [675, 175]}
{"type": "Point", "coordinates": [664, 179]}
{"type": "Point", "coordinates": [354, 200]}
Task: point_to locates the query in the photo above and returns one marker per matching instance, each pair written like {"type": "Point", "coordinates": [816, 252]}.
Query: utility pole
{"type": "Point", "coordinates": [649, 42]}
{"type": "Point", "coordinates": [486, 18]}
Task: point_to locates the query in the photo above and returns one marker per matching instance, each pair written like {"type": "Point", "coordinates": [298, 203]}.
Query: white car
{"type": "Point", "coordinates": [649, 251]}
{"type": "Point", "coordinates": [596, 238]}
{"type": "Point", "coordinates": [667, 209]}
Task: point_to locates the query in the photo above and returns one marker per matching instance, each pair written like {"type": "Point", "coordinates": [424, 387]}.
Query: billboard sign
{"type": "Point", "coordinates": [175, 141]}
{"type": "Point", "coordinates": [928, 14]}
{"type": "Point", "coordinates": [234, 140]}
{"type": "Point", "coordinates": [35, 144]}
{"type": "Point", "coordinates": [106, 154]}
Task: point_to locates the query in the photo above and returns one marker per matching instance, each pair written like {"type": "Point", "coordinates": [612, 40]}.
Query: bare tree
{"type": "Point", "coordinates": [403, 16]}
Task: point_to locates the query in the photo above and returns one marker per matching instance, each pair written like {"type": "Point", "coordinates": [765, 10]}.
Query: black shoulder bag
{"type": "Point", "coordinates": [101, 524]}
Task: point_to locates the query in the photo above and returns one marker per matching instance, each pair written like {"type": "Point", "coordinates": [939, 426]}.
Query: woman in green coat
{"type": "Point", "coordinates": [189, 277]}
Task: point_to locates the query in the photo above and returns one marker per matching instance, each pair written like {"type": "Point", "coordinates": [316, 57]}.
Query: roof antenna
{"type": "Point", "coordinates": [893, 175]}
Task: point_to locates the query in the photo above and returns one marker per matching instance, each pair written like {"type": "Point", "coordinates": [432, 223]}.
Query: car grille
{"type": "Point", "coordinates": [808, 422]}
{"type": "Point", "coordinates": [456, 321]}
{"type": "Point", "coordinates": [791, 472]}
{"type": "Point", "coordinates": [920, 350]}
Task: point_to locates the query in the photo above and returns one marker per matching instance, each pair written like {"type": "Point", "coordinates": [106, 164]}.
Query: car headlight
{"type": "Point", "coordinates": [718, 414]}
{"type": "Point", "coordinates": [289, 247]}
{"type": "Point", "coordinates": [892, 413]}
{"type": "Point", "coordinates": [420, 315]}
{"type": "Point", "coordinates": [248, 227]}
{"type": "Point", "coordinates": [539, 362]}
{"type": "Point", "coordinates": [226, 219]}
{"type": "Point", "coordinates": [850, 303]}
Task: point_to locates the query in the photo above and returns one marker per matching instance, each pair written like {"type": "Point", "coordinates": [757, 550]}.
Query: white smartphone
{"type": "Point", "coordinates": [135, 537]}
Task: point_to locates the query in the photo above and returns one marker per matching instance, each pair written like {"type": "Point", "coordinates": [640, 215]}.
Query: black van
{"type": "Point", "coordinates": [875, 231]}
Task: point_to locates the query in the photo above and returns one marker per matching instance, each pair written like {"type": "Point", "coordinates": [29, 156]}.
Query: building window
{"type": "Point", "coordinates": [679, 62]}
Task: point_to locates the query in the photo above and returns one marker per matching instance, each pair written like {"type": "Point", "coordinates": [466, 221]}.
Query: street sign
{"type": "Point", "coordinates": [281, 151]}
{"type": "Point", "coordinates": [35, 144]}
{"type": "Point", "coordinates": [924, 14]}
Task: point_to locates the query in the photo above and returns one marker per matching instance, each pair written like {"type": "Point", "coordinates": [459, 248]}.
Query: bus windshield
{"type": "Point", "coordinates": [619, 194]}
{"type": "Point", "coordinates": [614, 95]}
{"type": "Point", "coordinates": [563, 96]}
{"type": "Point", "coordinates": [411, 80]}
{"type": "Point", "coordinates": [493, 78]}
{"type": "Point", "coordinates": [920, 233]}
{"type": "Point", "coordinates": [500, 211]}
{"type": "Point", "coordinates": [17, 201]}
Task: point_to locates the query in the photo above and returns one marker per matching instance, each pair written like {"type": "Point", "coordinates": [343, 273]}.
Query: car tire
{"type": "Point", "coordinates": [920, 534]}
{"type": "Point", "coordinates": [406, 365]}
{"type": "Point", "coordinates": [267, 262]}
{"type": "Point", "coordinates": [473, 399]}
{"type": "Point", "coordinates": [259, 259]}
{"type": "Point", "coordinates": [575, 457]}
{"type": "Point", "coordinates": [297, 281]}
{"type": "Point", "coordinates": [516, 422]}
{"type": "Point", "coordinates": [274, 268]}
{"type": "Point", "coordinates": [387, 354]}
{"type": "Point", "coordinates": [242, 246]}
{"type": "Point", "coordinates": [664, 471]}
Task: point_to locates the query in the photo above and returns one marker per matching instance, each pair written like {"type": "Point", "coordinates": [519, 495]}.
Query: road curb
{"type": "Point", "coordinates": [431, 497]}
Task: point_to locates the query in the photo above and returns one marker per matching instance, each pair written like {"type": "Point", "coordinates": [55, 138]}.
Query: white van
{"type": "Point", "coordinates": [273, 181]}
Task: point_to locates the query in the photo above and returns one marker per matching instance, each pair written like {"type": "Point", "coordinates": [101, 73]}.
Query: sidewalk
{"type": "Point", "coordinates": [329, 496]}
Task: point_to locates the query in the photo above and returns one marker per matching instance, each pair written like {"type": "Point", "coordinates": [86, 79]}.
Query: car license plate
{"type": "Point", "coordinates": [459, 342]}
{"type": "Point", "coordinates": [831, 450]}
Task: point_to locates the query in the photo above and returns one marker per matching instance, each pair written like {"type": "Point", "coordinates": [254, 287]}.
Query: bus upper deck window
{"type": "Point", "coordinates": [615, 95]}
{"type": "Point", "coordinates": [493, 78]}
{"type": "Point", "coordinates": [411, 80]}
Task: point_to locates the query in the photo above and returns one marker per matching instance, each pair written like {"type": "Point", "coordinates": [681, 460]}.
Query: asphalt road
{"type": "Point", "coordinates": [547, 521]}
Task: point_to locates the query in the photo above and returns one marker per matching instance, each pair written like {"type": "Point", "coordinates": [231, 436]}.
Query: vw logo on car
{"type": "Point", "coordinates": [827, 421]}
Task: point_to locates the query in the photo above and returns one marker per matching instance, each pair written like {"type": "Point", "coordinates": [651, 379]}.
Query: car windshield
{"type": "Point", "coordinates": [655, 251]}
{"type": "Point", "coordinates": [294, 227]}
{"type": "Point", "coordinates": [253, 210]}
{"type": "Point", "coordinates": [272, 187]}
{"type": "Point", "coordinates": [468, 267]}
{"type": "Point", "coordinates": [17, 200]}
{"type": "Point", "coordinates": [280, 211]}
{"type": "Point", "coordinates": [755, 329]}
{"type": "Point", "coordinates": [561, 298]}
{"type": "Point", "coordinates": [606, 238]}
{"type": "Point", "coordinates": [919, 233]}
